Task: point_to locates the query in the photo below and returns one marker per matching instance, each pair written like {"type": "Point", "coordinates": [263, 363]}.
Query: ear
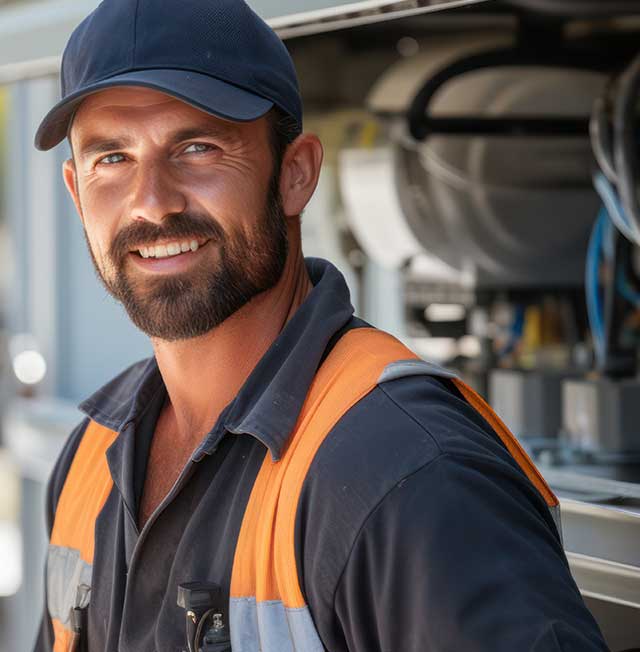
{"type": "Point", "coordinates": [299, 173]}
{"type": "Point", "coordinates": [71, 181]}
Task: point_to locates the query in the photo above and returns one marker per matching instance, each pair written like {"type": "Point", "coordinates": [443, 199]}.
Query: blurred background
{"type": "Point", "coordinates": [479, 192]}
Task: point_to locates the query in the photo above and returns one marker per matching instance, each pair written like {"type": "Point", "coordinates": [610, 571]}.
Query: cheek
{"type": "Point", "coordinates": [224, 187]}
{"type": "Point", "coordinates": [103, 201]}
{"type": "Point", "coordinates": [237, 205]}
{"type": "Point", "coordinates": [97, 246]}
{"type": "Point", "coordinates": [97, 232]}
{"type": "Point", "coordinates": [101, 208]}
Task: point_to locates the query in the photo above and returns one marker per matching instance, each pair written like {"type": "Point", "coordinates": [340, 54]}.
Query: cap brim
{"type": "Point", "coordinates": [206, 93]}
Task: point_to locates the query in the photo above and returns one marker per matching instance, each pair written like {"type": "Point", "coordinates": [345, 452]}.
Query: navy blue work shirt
{"type": "Point", "coordinates": [416, 530]}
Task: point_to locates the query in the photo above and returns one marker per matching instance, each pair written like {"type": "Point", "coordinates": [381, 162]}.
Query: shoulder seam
{"type": "Point", "coordinates": [418, 423]}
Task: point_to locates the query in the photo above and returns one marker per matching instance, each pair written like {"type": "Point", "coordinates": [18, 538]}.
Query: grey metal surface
{"type": "Point", "coordinates": [529, 402]}
{"type": "Point", "coordinates": [601, 542]}
{"type": "Point", "coordinates": [602, 531]}
{"type": "Point", "coordinates": [33, 35]}
{"type": "Point", "coordinates": [602, 414]}
{"type": "Point", "coordinates": [606, 580]}
{"type": "Point", "coordinates": [37, 30]}
{"type": "Point", "coordinates": [610, 482]}
{"type": "Point", "coordinates": [341, 15]}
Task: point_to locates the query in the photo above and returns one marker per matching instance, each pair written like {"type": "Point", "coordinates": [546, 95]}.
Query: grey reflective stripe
{"type": "Point", "coordinates": [243, 623]}
{"type": "Point", "coordinates": [403, 368]}
{"type": "Point", "coordinates": [66, 571]}
{"type": "Point", "coordinates": [271, 627]}
{"type": "Point", "coordinates": [303, 631]}
{"type": "Point", "coordinates": [555, 514]}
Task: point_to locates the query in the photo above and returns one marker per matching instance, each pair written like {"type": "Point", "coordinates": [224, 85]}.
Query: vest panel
{"type": "Point", "coordinates": [268, 612]}
{"type": "Point", "coordinates": [72, 545]}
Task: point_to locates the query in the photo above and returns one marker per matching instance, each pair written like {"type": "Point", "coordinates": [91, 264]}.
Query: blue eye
{"type": "Point", "coordinates": [198, 148]}
{"type": "Point", "coordinates": [110, 159]}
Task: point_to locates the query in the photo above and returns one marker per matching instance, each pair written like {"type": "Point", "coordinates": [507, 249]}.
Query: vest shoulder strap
{"type": "Point", "coordinates": [264, 565]}
{"type": "Point", "coordinates": [348, 373]}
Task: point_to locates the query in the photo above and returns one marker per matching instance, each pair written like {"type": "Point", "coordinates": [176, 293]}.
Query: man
{"type": "Point", "coordinates": [279, 475]}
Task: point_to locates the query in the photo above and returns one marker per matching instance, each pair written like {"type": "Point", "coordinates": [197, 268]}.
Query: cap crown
{"type": "Point", "coordinates": [223, 39]}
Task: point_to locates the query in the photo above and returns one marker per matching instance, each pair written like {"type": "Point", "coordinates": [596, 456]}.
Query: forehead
{"type": "Point", "coordinates": [128, 108]}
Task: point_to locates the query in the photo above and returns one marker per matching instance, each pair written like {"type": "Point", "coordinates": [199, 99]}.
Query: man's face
{"type": "Point", "coordinates": [156, 176]}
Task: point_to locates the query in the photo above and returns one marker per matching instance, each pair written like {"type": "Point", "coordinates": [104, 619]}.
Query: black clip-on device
{"type": "Point", "coordinates": [206, 629]}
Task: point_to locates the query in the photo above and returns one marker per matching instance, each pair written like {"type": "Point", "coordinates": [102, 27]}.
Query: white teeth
{"type": "Point", "coordinates": [170, 249]}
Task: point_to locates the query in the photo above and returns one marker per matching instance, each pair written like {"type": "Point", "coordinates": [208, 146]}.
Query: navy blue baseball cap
{"type": "Point", "coordinates": [216, 55]}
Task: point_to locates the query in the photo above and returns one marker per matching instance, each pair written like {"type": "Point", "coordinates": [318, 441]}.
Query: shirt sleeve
{"type": "Point", "coordinates": [44, 639]}
{"type": "Point", "coordinates": [462, 555]}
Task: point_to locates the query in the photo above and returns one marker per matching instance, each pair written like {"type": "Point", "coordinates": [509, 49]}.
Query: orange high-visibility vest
{"type": "Point", "coordinates": [267, 610]}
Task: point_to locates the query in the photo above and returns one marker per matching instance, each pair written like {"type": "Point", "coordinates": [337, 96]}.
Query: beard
{"type": "Point", "coordinates": [187, 305]}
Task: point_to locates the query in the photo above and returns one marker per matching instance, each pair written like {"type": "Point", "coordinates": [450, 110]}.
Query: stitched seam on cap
{"type": "Point", "coordinates": [135, 32]}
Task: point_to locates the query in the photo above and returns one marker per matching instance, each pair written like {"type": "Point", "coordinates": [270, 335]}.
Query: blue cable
{"type": "Point", "coordinates": [600, 245]}
{"type": "Point", "coordinates": [614, 207]}
{"type": "Point", "coordinates": [624, 287]}
{"type": "Point", "coordinates": [515, 332]}
{"type": "Point", "coordinates": [592, 284]}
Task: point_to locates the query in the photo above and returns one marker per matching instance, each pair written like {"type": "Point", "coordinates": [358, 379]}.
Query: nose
{"type": "Point", "coordinates": [154, 194]}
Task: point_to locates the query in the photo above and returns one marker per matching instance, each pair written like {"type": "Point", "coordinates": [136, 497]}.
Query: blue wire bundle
{"type": "Point", "coordinates": [599, 249]}
{"type": "Point", "coordinates": [614, 208]}
{"type": "Point", "coordinates": [595, 310]}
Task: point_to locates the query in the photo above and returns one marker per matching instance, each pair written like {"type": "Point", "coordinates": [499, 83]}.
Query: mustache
{"type": "Point", "coordinates": [180, 226]}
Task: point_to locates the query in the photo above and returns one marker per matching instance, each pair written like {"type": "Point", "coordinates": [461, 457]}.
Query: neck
{"type": "Point", "coordinates": [202, 375]}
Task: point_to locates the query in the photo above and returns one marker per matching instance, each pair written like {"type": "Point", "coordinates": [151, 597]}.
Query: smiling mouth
{"type": "Point", "coordinates": [169, 249]}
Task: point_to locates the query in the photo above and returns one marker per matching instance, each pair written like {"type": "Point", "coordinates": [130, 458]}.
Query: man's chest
{"type": "Point", "coordinates": [191, 537]}
{"type": "Point", "coordinates": [167, 459]}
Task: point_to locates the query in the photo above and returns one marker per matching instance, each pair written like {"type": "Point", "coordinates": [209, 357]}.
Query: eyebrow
{"type": "Point", "coordinates": [102, 145]}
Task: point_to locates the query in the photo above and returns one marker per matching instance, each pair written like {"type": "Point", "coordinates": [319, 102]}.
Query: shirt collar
{"type": "Point", "coordinates": [269, 403]}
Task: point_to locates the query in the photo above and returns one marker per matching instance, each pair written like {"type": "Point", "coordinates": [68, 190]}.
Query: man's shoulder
{"type": "Point", "coordinates": [400, 426]}
{"type": "Point", "coordinates": [405, 428]}
{"type": "Point", "coordinates": [410, 481]}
